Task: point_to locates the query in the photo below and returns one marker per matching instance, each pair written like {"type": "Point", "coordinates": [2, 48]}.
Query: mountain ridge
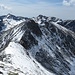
{"type": "Point", "coordinates": [42, 41]}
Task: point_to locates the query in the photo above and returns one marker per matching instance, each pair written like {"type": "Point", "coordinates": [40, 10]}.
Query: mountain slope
{"type": "Point", "coordinates": [70, 24]}
{"type": "Point", "coordinates": [38, 46]}
{"type": "Point", "coordinates": [17, 56]}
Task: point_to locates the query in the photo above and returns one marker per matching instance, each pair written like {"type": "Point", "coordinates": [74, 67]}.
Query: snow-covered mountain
{"type": "Point", "coordinates": [36, 46]}
{"type": "Point", "coordinates": [70, 24]}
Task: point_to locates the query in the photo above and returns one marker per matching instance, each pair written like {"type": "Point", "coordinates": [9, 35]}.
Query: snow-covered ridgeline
{"type": "Point", "coordinates": [19, 59]}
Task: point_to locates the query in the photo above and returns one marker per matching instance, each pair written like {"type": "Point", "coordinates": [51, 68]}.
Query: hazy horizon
{"type": "Point", "coordinates": [64, 9]}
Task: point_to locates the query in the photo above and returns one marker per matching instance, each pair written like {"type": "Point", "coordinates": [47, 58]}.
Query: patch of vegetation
{"type": "Point", "coordinates": [12, 73]}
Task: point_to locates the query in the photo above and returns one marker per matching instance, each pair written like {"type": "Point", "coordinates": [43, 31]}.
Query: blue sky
{"type": "Point", "coordinates": [35, 1]}
{"type": "Point", "coordinates": [64, 9]}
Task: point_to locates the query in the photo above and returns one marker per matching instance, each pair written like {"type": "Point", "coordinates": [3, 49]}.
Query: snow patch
{"type": "Point", "coordinates": [21, 60]}
{"type": "Point", "coordinates": [10, 23]}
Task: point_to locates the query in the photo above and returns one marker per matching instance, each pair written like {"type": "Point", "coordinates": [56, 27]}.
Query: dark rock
{"type": "Point", "coordinates": [1, 72]}
{"type": "Point", "coordinates": [28, 40]}
{"type": "Point", "coordinates": [34, 27]}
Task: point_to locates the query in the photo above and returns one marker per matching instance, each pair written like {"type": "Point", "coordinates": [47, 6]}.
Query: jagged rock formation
{"type": "Point", "coordinates": [37, 46]}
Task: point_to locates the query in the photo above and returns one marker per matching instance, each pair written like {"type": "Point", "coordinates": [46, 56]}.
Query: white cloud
{"type": "Point", "coordinates": [2, 6]}
{"type": "Point", "coordinates": [69, 2]}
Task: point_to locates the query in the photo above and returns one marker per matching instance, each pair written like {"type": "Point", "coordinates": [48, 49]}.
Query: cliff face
{"type": "Point", "coordinates": [37, 46]}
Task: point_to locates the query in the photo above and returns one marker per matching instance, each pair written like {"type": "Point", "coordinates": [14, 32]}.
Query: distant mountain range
{"type": "Point", "coordinates": [36, 46]}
